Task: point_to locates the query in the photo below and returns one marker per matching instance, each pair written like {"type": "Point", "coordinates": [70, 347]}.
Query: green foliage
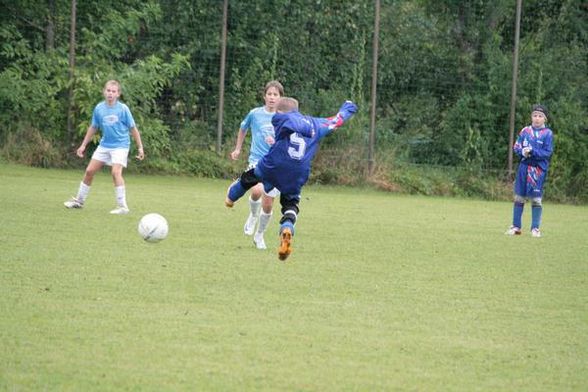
{"type": "Point", "coordinates": [29, 146]}
{"type": "Point", "coordinates": [36, 83]}
{"type": "Point", "coordinates": [443, 86]}
{"type": "Point", "coordinates": [445, 181]}
{"type": "Point", "coordinates": [568, 175]}
{"type": "Point", "coordinates": [189, 162]}
{"type": "Point", "coordinates": [31, 86]}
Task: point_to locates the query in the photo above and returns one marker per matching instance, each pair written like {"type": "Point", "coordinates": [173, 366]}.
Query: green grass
{"type": "Point", "coordinates": [382, 292]}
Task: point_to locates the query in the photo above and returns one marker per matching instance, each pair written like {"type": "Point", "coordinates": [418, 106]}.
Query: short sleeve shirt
{"type": "Point", "coordinates": [115, 123]}
{"type": "Point", "coordinates": [259, 121]}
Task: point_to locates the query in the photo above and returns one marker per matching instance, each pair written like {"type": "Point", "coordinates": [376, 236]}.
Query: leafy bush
{"type": "Point", "coordinates": [194, 162]}
{"type": "Point", "coordinates": [30, 147]}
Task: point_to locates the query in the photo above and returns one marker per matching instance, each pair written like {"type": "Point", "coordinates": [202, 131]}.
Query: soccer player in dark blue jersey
{"type": "Point", "coordinates": [534, 145]}
{"type": "Point", "coordinates": [287, 164]}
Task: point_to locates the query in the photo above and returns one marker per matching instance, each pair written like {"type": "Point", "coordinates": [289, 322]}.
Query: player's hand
{"type": "Point", "coordinates": [141, 155]}
{"type": "Point", "coordinates": [347, 110]}
{"type": "Point", "coordinates": [350, 106]}
{"type": "Point", "coordinates": [80, 151]}
{"type": "Point", "coordinates": [527, 151]}
{"type": "Point", "coordinates": [235, 154]}
{"type": "Point", "coordinates": [270, 140]}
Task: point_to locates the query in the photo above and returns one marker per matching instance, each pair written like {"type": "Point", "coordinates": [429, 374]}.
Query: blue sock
{"type": "Point", "coordinates": [236, 191]}
{"type": "Point", "coordinates": [517, 214]}
{"type": "Point", "coordinates": [536, 216]}
{"type": "Point", "coordinates": [287, 224]}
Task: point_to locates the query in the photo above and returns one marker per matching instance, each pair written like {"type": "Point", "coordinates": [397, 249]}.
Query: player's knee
{"type": "Point", "coordinates": [89, 175]}
{"type": "Point", "coordinates": [116, 174]}
{"type": "Point", "coordinates": [536, 202]}
{"type": "Point", "coordinates": [519, 199]}
{"type": "Point", "coordinates": [248, 180]}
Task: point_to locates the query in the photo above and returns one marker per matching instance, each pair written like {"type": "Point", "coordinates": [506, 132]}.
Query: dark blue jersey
{"type": "Point", "coordinates": [532, 170]}
{"type": "Point", "coordinates": [541, 142]}
{"type": "Point", "coordinates": [297, 137]}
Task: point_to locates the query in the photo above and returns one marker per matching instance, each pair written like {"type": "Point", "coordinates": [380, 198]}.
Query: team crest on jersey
{"type": "Point", "coordinates": [111, 119]}
{"type": "Point", "coordinates": [268, 130]}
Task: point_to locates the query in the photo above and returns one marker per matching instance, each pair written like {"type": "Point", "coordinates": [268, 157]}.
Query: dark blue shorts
{"type": "Point", "coordinates": [529, 181]}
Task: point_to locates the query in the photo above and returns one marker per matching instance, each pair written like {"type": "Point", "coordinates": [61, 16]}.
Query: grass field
{"type": "Point", "coordinates": [382, 292]}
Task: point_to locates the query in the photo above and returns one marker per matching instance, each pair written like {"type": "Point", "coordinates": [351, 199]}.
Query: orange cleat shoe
{"type": "Point", "coordinates": [285, 244]}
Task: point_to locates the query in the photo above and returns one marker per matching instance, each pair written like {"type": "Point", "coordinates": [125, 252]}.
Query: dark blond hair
{"type": "Point", "coordinates": [276, 84]}
{"type": "Point", "coordinates": [287, 104]}
{"type": "Point", "coordinates": [113, 82]}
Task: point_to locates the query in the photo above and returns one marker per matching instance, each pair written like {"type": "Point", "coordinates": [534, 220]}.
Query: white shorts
{"type": "Point", "coordinates": [274, 191]}
{"type": "Point", "coordinates": [111, 156]}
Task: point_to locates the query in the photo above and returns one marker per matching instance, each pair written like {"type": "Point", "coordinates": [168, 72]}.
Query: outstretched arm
{"type": "Point", "coordinates": [346, 111]}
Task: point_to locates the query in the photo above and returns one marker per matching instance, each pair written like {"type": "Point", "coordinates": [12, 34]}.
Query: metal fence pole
{"type": "Point", "coordinates": [372, 142]}
{"type": "Point", "coordinates": [513, 96]}
{"type": "Point", "coordinates": [221, 83]}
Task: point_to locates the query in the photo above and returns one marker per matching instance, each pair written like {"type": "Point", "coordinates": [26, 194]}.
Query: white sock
{"type": "Point", "coordinates": [255, 206]}
{"type": "Point", "coordinates": [264, 220]}
{"type": "Point", "coordinates": [83, 192]}
{"type": "Point", "coordinates": [121, 197]}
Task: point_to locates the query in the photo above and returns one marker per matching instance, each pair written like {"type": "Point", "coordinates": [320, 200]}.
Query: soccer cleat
{"type": "Point", "coordinates": [259, 241]}
{"type": "Point", "coordinates": [536, 233]}
{"type": "Point", "coordinates": [285, 244]}
{"type": "Point", "coordinates": [250, 224]}
{"type": "Point", "coordinates": [120, 210]}
{"type": "Point", "coordinates": [513, 230]}
{"type": "Point", "coordinates": [73, 203]}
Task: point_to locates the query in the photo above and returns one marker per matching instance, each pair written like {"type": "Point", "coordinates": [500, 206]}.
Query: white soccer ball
{"type": "Point", "coordinates": [153, 227]}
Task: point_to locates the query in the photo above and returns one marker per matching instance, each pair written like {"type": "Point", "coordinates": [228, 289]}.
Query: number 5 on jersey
{"type": "Point", "coordinates": [297, 147]}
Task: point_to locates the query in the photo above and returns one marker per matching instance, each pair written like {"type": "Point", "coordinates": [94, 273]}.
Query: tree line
{"type": "Point", "coordinates": [443, 86]}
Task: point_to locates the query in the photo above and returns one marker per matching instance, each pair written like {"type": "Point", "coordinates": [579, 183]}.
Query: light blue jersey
{"type": "Point", "coordinates": [259, 120]}
{"type": "Point", "coordinates": [115, 122]}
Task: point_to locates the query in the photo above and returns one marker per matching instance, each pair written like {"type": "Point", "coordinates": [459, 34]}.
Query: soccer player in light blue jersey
{"type": "Point", "coordinates": [259, 121]}
{"type": "Point", "coordinates": [534, 145]}
{"type": "Point", "coordinates": [287, 164]}
{"type": "Point", "coordinates": [116, 123]}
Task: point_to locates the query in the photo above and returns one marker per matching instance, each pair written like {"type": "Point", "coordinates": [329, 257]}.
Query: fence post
{"type": "Point", "coordinates": [72, 66]}
{"type": "Point", "coordinates": [221, 83]}
{"type": "Point", "coordinates": [372, 142]}
{"type": "Point", "coordinates": [513, 96]}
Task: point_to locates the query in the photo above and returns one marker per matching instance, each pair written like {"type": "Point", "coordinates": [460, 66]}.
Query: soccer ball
{"type": "Point", "coordinates": [153, 227]}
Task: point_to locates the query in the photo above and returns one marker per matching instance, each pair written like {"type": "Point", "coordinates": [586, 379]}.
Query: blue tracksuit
{"type": "Point", "coordinates": [532, 171]}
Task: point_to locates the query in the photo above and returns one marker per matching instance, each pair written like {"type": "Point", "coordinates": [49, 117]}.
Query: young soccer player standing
{"type": "Point", "coordinates": [259, 121]}
{"type": "Point", "coordinates": [116, 123]}
{"type": "Point", "coordinates": [534, 145]}
{"type": "Point", "coordinates": [287, 165]}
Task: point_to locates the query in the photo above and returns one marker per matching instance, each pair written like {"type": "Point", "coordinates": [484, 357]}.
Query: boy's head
{"type": "Point", "coordinates": [111, 91]}
{"type": "Point", "coordinates": [287, 104]}
{"type": "Point", "coordinates": [538, 115]}
{"type": "Point", "coordinates": [271, 94]}
{"type": "Point", "coordinates": [275, 84]}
